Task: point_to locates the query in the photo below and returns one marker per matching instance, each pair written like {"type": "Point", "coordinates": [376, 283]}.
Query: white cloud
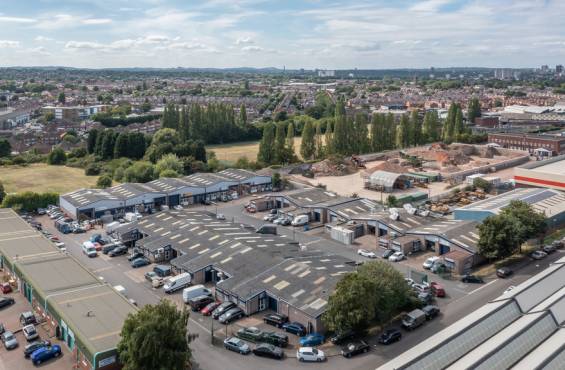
{"type": "Point", "coordinates": [252, 49]}
{"type": "Point", "coordinates": [244, 40]}
{"type": "Point", "coordinates": [39, 50]}
{"type": "Point", "coordinates": [429, 6]}
{"type": "Point", "coordinates": [9, 44]}
{"type": "Point", "coordinates": [96, 21]}
{"type": "Point", "coordinates": [42, 39]}
{"type": "Point", "coordinates": [86, 45]}
{"type": "Point", "coordinates": [8, 19]}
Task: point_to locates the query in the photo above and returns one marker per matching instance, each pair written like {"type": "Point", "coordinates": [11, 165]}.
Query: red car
{"type": "Point", "coordinates": [438, 289]}
{"type": "Point", "coordinates": [5, 288]}
{"type": "Point", "coordinates": [207, 311]}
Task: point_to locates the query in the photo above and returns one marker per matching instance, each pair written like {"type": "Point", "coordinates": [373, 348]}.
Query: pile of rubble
{"type": "Point", "coordinates": [458, 199]}
{"type": "Point", "coordinates": [329, 167]}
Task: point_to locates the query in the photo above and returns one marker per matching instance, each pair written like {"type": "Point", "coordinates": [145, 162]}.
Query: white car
{"type": "Point", "coordinates": [30, 333]}
{"type": "Point", "coordinates": [61, 246]}
{"type": "Point", "coordinates": [366, 253]}
{"type": "Point", "coordinates": [430, 262]}
{"type": "Point", "coordinates": [538, 255]}
{"type": "Point", "coordinates": [410, 282]}
{"type": "Point", "coordinates": [220, 216]}
{"type": "Point", "coordinates": [397, 256]}
{"type": "Point", "coordinates": [310, 354]}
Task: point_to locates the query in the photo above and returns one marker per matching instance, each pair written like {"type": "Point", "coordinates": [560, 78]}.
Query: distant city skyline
{"type": "Point", "coordinates": [296, 34]}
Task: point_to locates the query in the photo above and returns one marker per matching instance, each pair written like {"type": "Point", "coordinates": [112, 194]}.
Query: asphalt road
{"type": "Point", "coordinates": [463, 299]}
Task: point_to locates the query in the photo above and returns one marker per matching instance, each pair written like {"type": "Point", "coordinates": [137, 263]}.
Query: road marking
{"type": "Point", "coordinates": [481, 287]}
{"type": "Point", "coordinates": [102, 269]}
{"type": "Point", "coordinates": [133, 275]}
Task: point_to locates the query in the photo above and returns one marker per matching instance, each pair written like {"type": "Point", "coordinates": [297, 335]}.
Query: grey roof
{"type": "Point", "coordinates": [552, 202]}
{"type": "Point", "coordinates": [313, 197]}
{"type": "Point", "coordinates": [462, 233]}
{"type": "Point", "coordinates": [356, 209]}
{"type": "Point", "coordinates": [405, 221]}
{"type": "Point", "coordinates": [503, 333]}
{"type": "Point", "coordinates": [384, 178]}
{"type": "Point", "coordinates": [170, 185]}
{"type": "Point", "coordinates": [84, 197]}
{"type": "Point", "coordinates": [207, 179]}
{"type": "Point", "coordinates": [241, 175]}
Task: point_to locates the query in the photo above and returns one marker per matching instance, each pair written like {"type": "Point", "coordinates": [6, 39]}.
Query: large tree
{"type": "Point", "coordinates": [430, 127]}
{"type": "Point", "coordinates": [5, 148]}
{"type": "Point", "coordinates": [266, 152]}
{"type": "Point", "coordinates": [320, 150]}
{"type": "Point", "coordinates": [156, 338]}
{"type": "Point", "coordinates": [498, 237]}
{"type": "Point", "coordinates": [473, 110]}
{"type": "Point", "coordinates": [91, 140]}
{"type": "Point", "coordinates": [531, 222]}
{"type": "Point", "coordinates": [280, 143]}
{"type": "Point", "coordinates": [308, 145]}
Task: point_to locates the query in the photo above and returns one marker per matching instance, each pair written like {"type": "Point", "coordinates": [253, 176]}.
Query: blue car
{"type": "Point", "coordinates": [46, 353]}
{"type": "Point", "coordinates": [295, 328]}
{"type": "Point", "coordinates": [139, 262]}
{"type": "Point", "coordinates": [95, 238]}
{"type": "Point", "coordinates": [311, 340]}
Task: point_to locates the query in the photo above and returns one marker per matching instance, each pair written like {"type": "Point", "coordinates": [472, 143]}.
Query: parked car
{"type": "Point", "coordinates": [276, 339]}
{"type": "Point", "coordinates": [355, 348]}
{"type": "Point", "coordinates": [195, 291]}
{"type": "Point", "coordinates": [295, 328]}
{"type": "Point", "coordinates": [310, 340]}
{"type": "Point", "coordinates": [538, 255]}
{"type": "Point", "coordinates": [2, 329]}
{"type": "Point", "coordinates": [135, 255]}
{"type": "Point", "coordinates": [236, 345]}
{"type": "Point", "coordinates": [438, 266]}
{"type": "Point", "coordinates": [472, 279]}
{"type": "Point", "coordinates": [340, 337]}
{"type": "Point", "coordinates": [27, 318]}
{"type": "Point", "coordinates": [9, 340]}
{"type": "Point", "coordinates": [210, 307]}
{"type": "Point", "coordinates": [89, 249]}
{"type": "Point", "coordinates": [231, 315]}
{"type": "Point", "coordinates": [275, 319]}
{"type": "Point", "coordinates": [174, 283]}
{"type": "Point", "coordinates": [94, 238]}
{"type": "Point", "coordinates": [390, 336]}
{"type": "Point", "coordinates": [430, 262]}
{"type": "Point", "coordinates": [366, 253]}
{"type": "Point", "coordinates": [268, 350]}
{"type": "Point", "coordinates": [34, 346]}
{"type": "Point", "coordinates": [224, 307]}
{"type": "Point", "coordinates": [118, 251]}
{"type": "Point", "coordinates": [5, 288]}
{"type": "Point", "coordinates": [251, 334]}
{"type": "Point", "coordinates": [421, 288]}
{"type": "Point", "coordinates": [149, 275]}
{"type": "Point", "coordinates": [140, 262]}
{"type": "Point", "coordinates": [431, 311]}
{"type": "Point", "coordinates": [396, 257]}
{"type": "Point", "coordinates": [270, 218]}
{"type": "Point", "coordinates": [413, 319]}
{"type": "Point", "coordinates": [550, 248]}
{"type": "Point", "coordinates": [387, 253]}
{"type": "Point", "coordinates": [437, 289]}
{"type": "Point", "coordinates": [285, 222]}
{"type": "Point", "coordinates": [410, 282]}
{"type": "Point", "coordinates": [310, 354]}
{"type": "Point", "coordinates": [220, 217]}
{"type": "Point", "coordinates": [162, 270]}
{"type": "Point", "coordinates": [425, 297]}
{"type": "Point", "coordinates": [300, 220]}
{"type": "Point", "coordinates": [198, 303]}
{"type": "Point", "coordinates": [30, 333]}
{"type": "Point", "coordinates": [6, 301]}
{"type": "Point", "coordinates": [45, 354]}
{"type": "Point", "coordinates": [504, 272]}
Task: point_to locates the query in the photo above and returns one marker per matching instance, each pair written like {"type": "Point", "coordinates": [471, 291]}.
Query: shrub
{"type": "Point", "coordinates": [29, 201]}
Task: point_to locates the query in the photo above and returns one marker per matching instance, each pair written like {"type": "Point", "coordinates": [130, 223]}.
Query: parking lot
{"type": "Point", "coordinates": [14, 359]}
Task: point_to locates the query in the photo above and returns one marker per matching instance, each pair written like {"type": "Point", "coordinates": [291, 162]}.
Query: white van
{"type": "Point", "coordinates": [89, 249]}
{"type": "Point", "coordinates": [194, 291]}
{"type": "Point", "coordinates": [177, 282]}
{"type": "Point", "coordinates": [300, 220]}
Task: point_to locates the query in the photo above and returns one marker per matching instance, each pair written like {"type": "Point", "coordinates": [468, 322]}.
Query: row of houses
{"type": "Point", "coordinates": [72, 303]}
{"type": "Point", "coordinates": [193, 189]}
{"type": "Point", "coordinates": [255, 271]}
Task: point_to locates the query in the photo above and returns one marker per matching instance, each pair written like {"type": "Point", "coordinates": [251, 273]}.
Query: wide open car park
{"type": "Point", "coordinates": [15, 359]}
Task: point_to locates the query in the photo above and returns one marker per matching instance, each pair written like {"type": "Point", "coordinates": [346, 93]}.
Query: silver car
{"type": "Point", "coordinates": [30, 333]}
{"type": "Point", "coordinates": [9, 340]}
{"type": "Point", "coordinates": [237, 345]}
{"type": "Point", "coordinates": [231, 315]}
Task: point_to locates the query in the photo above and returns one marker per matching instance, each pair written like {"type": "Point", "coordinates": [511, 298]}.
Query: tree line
{"type": "Point", "coordinates": [216, 123]}
{"type": "Point", "coordinates": [109, 144]}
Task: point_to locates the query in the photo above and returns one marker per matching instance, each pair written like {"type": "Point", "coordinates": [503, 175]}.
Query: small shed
{"type": "Point", "coordinates": [388, 181]}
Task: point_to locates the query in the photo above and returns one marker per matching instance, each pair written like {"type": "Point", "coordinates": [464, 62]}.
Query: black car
{"type": "Point", "coordinates": [355, 348]}
{"type": "Point", "coordinates": [27, 318]}
{"type": "Point", "coordinates": [6, 301]}
{"type": "Point", "coordinates": [342, 336]}
{"type": "Point", "coordinates": [33, 346]}
{"type": "Point", "coordinates": [431, 311]}
{"type": "Point", "coordinates": [504, 272]}
{"type": "Point", "coordinates": [108, 248]}
{"type": "Point", "coordinates": [198, 303]}
{"type": "Point", "coordinates": [118, 251]}
{"type": "Point", "coordinates": [390, 336]}
{"type": "Point", "coordinates": [135, 255]}
{"type": "Point", "coordinates": [275, 319]}
{"type": "Point", "coordinates": [295, 328]}
{"type": "Point", "coordinates": [276, 339]}
{"type": "Point", "coordinates": [472, 279]}
{"type": "Point", "coordinates": [140, 262]}
{"type": "Point", "coordinates": [387, 254]}
{"type": "Point", "coordinates": [224, 307]}
{"type": "Point", "coordinates": [268, 350]}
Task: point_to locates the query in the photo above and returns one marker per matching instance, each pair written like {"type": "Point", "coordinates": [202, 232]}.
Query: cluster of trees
{"type": "Point", "coordinates": [29, 201]}
{"type": "Point", "coordinates": [213, 124]}
{"type": "Point", "coordinates": [108, 144]}
{"type": "Point", "coordinates": [57, 156]}
{"type": "Point", "coordinates": [373, 294]}
{"type": "Point", "coordinates": [156, 337]}
{"type": "Point", "coordinates": [473, 110]}
{"type": "Point", "coordinates": [109, 120]}
{"type": "Point", "coordinates": [502, 235]}
{"type": "Point", "coordinates": [277, 144]}
{"type": "Point", "coordinates": [453, 126]}
{"type": "Point", "coordinates": [5, 148]}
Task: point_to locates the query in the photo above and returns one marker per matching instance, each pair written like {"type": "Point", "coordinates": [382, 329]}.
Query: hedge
{"type": "Point", "coordinates": [30, 201]}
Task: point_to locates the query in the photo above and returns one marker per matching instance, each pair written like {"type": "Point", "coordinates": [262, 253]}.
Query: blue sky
{"type": "Point", "coordinates": [277, 33]}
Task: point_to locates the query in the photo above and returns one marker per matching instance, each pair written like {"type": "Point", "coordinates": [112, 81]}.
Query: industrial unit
{"type": "Point", "coordinates": [547, 201]}
{"type": "Point", "coordinates": [79, 309]}
{"type": "Point", "coordinates": [521, 329]}
{"type": "Point", "coordinates": [130, 197]}
{"type": "Point", "coordinates": [547, 174]}
{"type": "Point", "coordinates": [255, 271]}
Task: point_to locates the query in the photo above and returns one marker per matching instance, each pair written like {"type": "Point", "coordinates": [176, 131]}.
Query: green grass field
{"type": "Point", "coordinates": [232, 152]}
{"type": "Point", "coordinates": [43, 178]}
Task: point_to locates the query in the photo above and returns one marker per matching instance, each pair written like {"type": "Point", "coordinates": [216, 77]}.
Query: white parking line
{"type": "Point", "coordinates": [481, 287]}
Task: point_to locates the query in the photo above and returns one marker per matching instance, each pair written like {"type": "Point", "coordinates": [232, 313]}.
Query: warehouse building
{"type": "Point", "coordinates": [547, 174]}
{"type": "Point", "coordinates": [540, 145]}
{"type": "Point", "coordinates": [151, 196]}
{"type": "Point", "coordinates": [522, 329]}
{"type": "Point", "coordinates": [255, 271]}
{"type": "Point", "coordinates": [547, 201]}
{"type": "Point", "coordinates": [84, 313]}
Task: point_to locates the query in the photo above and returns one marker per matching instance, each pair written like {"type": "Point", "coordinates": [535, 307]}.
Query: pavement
{"type": "Point", "coordinates": [462, 299]}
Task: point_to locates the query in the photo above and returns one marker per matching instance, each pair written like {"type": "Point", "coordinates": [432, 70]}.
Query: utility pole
{"type": "Point", "coordinates": [212, 331]}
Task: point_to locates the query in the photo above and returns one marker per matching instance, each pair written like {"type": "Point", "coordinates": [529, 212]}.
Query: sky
{"type": "Point", "coordinates": [294, 34]}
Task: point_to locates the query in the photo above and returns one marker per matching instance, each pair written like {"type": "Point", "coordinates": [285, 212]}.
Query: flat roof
{"type": "Point", "coordinates": [554, 168]}
{"type": "Point", "coordinates": [312, 197]}
{"type": "Point", "coordinates": [462, 233]}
